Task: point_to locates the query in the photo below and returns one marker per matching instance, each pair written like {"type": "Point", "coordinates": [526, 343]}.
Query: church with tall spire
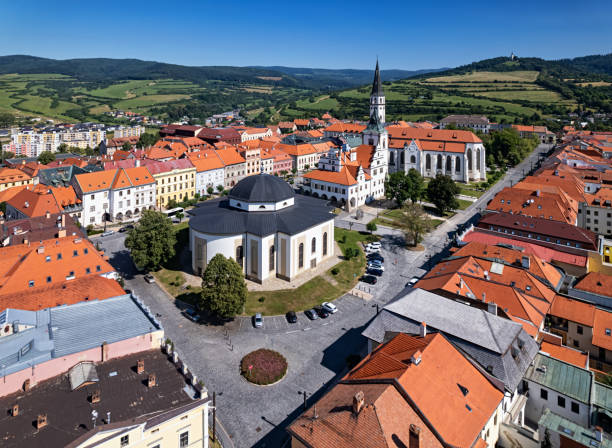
{"type": "Point", "coordinates": [377, 97]}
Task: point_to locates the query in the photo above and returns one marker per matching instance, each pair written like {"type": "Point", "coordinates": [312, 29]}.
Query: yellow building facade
{"type": "Point", "coordinates": [174, 180]}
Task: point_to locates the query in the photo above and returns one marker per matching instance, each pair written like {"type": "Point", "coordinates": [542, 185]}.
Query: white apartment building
{"type": "Point", "coordinates": [129, 131]}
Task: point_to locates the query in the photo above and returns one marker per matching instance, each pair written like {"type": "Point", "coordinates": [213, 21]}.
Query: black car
{"type": "Point", "coordinates": [376, 256]}
{"type": "Point", "coordinates": [126, 228]}
{"type": "Point", "coordinates": [291, 317]}
{"type": "Point", "coordinates": [369, 279]}
{"type": "Point", "coordinates": [311, 314]}
{"type": "Point", "coordinates": [374, 271]}
{"type": "Point", "coordinates": [322, 312]}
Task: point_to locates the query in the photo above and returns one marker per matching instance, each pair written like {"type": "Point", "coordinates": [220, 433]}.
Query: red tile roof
{"type": "Point", "coordinates": [34, 201]}
{"type": "Point", "coordinates": [597, 283]}
{"type": "Point", "coordinates": [566, 354]}
{"type": "Point", "coordinates": [407, 134]}
{"type": "Point", "coordinates": [346, 128]}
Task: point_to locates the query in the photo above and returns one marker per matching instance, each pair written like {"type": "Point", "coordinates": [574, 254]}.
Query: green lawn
{"type": "Point", "coordinates": [393, 217]}
{"type": "Point", "coordinates": [468, 191]}
{"type": "Point", "coordinates": [518, 75]}
{"type": "Point", "coordinates": [463, 204]}
{"type": "Point", "coordinates": [317, 290]}
{"type": "Point", "coordinates": [120, 90]}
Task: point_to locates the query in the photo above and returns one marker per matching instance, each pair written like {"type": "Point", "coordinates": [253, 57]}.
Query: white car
{"type": "Point", "coordinates": [376, 265]}
{"type": "Point", "coordinates": [413, 281]}
{"type": "Point", "coordinates": [330, 307]}
{"type": "Point", "coordinates": [375, 245]}
{"type": "Point", "coordinates": [108, 233]}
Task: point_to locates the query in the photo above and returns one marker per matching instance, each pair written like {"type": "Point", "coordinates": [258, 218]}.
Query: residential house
{"type": "Point", "coordinates": [115, 195]}
{"type": "Point", "coordinates": [210, 170]}
{"type": "Point", "coordinates": [287, 126]}
{"type": "Point", "coordinates": [562, 432]}
{"type": "Point", "coordinates": [541, 132]}
{"type": "Point", "coordinates": [500, 346]}
{"type": "Point", "coordinates": [234, 163]}
{"type": "Point", "coordinates": [593, 287]}
{"type": "Point", "coordinates": [22, 231]}
{"type": "Point", "coordinates": [11, 177]}
{"type": "Point", "coordinates": [174, 180]}
{"type": "Point", "coordinates": [394, 396]}
{"type": "Point", "coordinates": [111, 145]}
{"type": "Point", "coordinates": [30, 202]}
{"type": "Point", "coordinates": [583, 326]}
{"type": "Point", "coordinates": [216, 135]}
{"type": "Point", "coordinates": [346, 130]}
{"type": "Point", "coordinates": [595, 212]}
{"type": "Point", "coordinates": [474, 122]}
{"type": "Point", "coordinates": [247, 134]}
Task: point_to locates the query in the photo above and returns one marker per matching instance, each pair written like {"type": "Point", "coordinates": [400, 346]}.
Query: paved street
{"type": "Point", "coordinates": [316, 350]}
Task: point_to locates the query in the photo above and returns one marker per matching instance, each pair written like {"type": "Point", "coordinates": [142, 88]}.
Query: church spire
{"type": "Point", "coordinates": [377, 86]}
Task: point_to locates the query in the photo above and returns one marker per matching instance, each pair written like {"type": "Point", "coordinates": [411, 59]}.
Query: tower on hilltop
{"type": "Point", "coordinates": [377, 97]}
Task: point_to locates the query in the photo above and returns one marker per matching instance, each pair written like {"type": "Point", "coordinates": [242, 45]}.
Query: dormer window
{"type": "Point", "coordinates": [31, 283]}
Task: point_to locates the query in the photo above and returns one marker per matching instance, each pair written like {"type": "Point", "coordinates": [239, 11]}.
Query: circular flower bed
{"type": "Point", "coordinates": [263, 366]}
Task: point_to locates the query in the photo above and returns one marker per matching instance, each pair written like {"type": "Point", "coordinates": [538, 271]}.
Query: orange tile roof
{"type": "Point", "coordinates": [565, 354]}
{"type": "Point", "coordinates": [556, 206]}
{"type": "Point", "coordinates": [158, 153]}
{"type": "Point", "coordinates": [9, 175]}
{"type": "Point", "coordinates": [602, 329]}
{"type": "Point", "coordinates": [297, 150]}
{"type": "Point", "coordinates": [597, 283]}
{"type": "Point", "coordinates": [205, 160]}
{"type": "Point", "coordinates": [574, 310]}
{"type": "Point", "coordinates": [434, 135]}
{"type": "Point", "coordinates": [342, 177]}
{"type": "Point", "coordinates": [19, 265]}
{"type": "Point", "coordinates": [230, 155]}
{"type": "Point", "coordinates": [537, 266]}
{"type": "Point", "coordinates": [68, 292]}
{"type": "Point", "coordinates": [36, 201]}
{"type": "Point", "coordinates": [301, 122]}
{"type": "Point", "coordinates": [347, 128]}
{"type": "Point", "coordinates": [9, 193]}
{"type": "Point", "coordinates": [65, 196]}
{"type": "Point", "coordinates": [138, 176]}
{"type": "Point", "coordinates": [96, 181]}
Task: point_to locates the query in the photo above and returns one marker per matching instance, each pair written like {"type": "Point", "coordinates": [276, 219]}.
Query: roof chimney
{"type": "Point", "coordinates": [416, 358]}
{"type": "Point", "coordinates": [41, 421]}
{"type": "Point", "coordinates": [538, 193]}
{"type": "Point", "coordinates": [137, 163]}
{"type": "Point", "coordinates": [140, 366]}
{"type": "Point", "coordinates": [525, 262]}
{"type": "Point", "coordinates": [598, 433]}
{"type": "Point", "coordinates": [63, 220]}
{"type": "Point", "coordinates": [492, 308]}
{"type": "Point", "coordinates": [15, 410]}
{"type": "Point", "coordinates": [40, 250]}
{"type": "Point", "coordinates": [47, 215]}
{"type": "Point", "coordinates": [95, 396]}
{"type": "Point", "coordinates": [415, 437]}
{"type": "Point", "coordinates": [358, 402]}
{"type": "Point", "coordinates": [423, 329]}
{"type": "Point", "coordinates": [152, 380]}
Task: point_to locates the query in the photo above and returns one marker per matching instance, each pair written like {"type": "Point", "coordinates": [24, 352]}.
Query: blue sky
{"type": "Point", "coordinates": [329, 34]}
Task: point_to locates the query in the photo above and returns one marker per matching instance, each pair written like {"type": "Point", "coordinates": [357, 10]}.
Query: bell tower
{"type": "Point", "coordinates": [377, 97]}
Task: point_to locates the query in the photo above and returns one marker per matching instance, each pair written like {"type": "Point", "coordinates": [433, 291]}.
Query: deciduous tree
{"type": "Point", "coordinates": [416, 223]}
{"type": "Point", "coordinates": [46, 157]}
{"type": "Point", "coordinates": [224, 290]}
{"type": "Point", "coordinates": [441, 192]}
{"type": "Point", "coordinates": [151, 241]}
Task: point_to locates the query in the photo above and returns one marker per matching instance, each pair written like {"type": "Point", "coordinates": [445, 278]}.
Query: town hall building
{"type": "Point", "coordinates": [265, 227]}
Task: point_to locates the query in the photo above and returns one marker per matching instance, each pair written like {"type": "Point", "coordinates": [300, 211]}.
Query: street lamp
{"type": "Point", "coordinates": [306, 394]}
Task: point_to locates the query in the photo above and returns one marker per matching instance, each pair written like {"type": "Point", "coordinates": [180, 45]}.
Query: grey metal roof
{"type": "Point", "coordinates": [562, 377]}
{"type": "Point", "coordinates": [499, 345]}
{"type": "Point", "coordinates": [569, 429]}
{"type": "Point", "coordinates": [262, 188]}
{"type": "Point", "coordinates": [70, 329]}
{"type": "Point", "coordinates": [602, 396]}
{"type": "Point", "coordinates": [218, 218]}
{"type": "Point", "coordinates": [87, 325]}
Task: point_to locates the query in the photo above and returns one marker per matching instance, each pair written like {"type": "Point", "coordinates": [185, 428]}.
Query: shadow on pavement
{"type": "Point", "coordinates": [335, 358]}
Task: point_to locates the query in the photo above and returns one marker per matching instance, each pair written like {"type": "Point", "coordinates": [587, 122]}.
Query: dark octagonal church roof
{"type": "Point", "coordinates": [262, 188]}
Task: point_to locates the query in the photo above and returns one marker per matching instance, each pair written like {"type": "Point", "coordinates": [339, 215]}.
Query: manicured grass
{"type": "Point", "coordinates": [463, 204]}
{"type": "Point", "coordinates": [318, 289]}
{"type": "Point", "coordinates": [393, 218]}
{"type": "Point", "coordinates": [471, 191]}
{"type": "Point", "coordinates": [263, 366]}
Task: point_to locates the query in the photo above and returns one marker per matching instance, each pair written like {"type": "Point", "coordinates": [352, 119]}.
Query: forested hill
{"type": "Point", "coordinates": [342, 78]}
{"type": "Point", "coordinates": [590, 67]}
{"type": "Point", "coordinates": [106, 70]}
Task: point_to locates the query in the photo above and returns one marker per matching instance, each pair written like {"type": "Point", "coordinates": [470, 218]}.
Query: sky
{"type": "Point", "coordinates": [404, 34]}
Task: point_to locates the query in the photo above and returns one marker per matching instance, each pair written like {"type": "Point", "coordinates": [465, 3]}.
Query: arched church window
{"type": "Point", "coordinates": [439, 164]}
{"type": "Point", "coordinates": [478, 159]}
{"type": "Point", "coordinates": [239, 255]}
{"type": "Point", "coordinates": [272, 263]}
{"type": "Point", "coordinates": [413, 159]}
{"type": "Point", "coordinates": [313, 245]}
{"type": "Point", "coordinates": [469, 157]}
{"type": "Point", "coordinates": [301, 255]}
{"type": "Point", "coordinates": [457, 164]}
{"type": "Point", "coordinates": [391, 157]}
{"type": "Point", "coordinates": [428, 161]}
{"type": "Point", "coordinates": [403, 158]}
{"type": "Point", "coordinates": [325, 243]}
{"type": "Point", "coordinates": [448, 164]}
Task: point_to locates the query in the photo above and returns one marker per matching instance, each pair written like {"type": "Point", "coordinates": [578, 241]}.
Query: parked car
{"type": "Point", "coordinates": [329, 307]}
{"type": "Point", "coordinates": [369, 279]}
{"type": "Point", "coordinates": [126, 228]}
{"type": "Point", "coordinates": [291, 317]}
{"type": "Point", "coordinates": [375, 264]}
{"type": "Point", "coordinates": [374, 271]}
{"type": "Point", "coordinates": [257, 320]}
{"type": "Point", "coordinates": [192, 315]}
{"type": "Point", "coordinates": [322, 312]}
{"type": "Point", "coordinates": [149, 278]}
{"type": "Point", "coordinates": [413, 281]}
{"type": "Point", "coordinates": [108, 233]}
{"type": "Point", "coordinates": [375, 256]}
{"type": "Point", "coordinates": [375, 245]}
{"type": "Point", "coordinates": [311, 314]}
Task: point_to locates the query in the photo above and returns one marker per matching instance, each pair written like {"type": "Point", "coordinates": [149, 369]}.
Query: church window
{"type": "Point", "coordinates": [448, 164]}
{"type": "Point", "coordinates": [469, 157]}
{"type": "Point", "coordinates": [403, 158]}
{"type": "Point", "coordinates": [313, 244]}
{"type": "Point", "coordinates": [439, 164]}
{"type": "Point", "coordinates": [457, 164]}
{"type": "Point", "coordinates": [272, 263]}
{"type": "Point", "coordinates": [428, 162]}
{"type": "Point", "coordinates": [239, 255]}
{"type": "Point", "coordinates": [392, 158]}
{"type": "Point", "coordinates": [413, 159]}
{"type": "Point", "coordinates": [325, 243]}
{"type": "Point", "coordinates": [478, 159]}
{"type": "Point", "coordinates": [301, 255]}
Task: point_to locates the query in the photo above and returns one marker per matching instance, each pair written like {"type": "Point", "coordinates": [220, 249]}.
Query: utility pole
{"type": "Point", "coordinates": [214, 417]}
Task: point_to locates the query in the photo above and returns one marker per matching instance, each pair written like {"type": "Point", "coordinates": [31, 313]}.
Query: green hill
{"type": "Point", "coordinates": [523, 90]}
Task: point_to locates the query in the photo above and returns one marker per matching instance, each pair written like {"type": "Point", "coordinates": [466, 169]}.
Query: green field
{"type": "Point", "coordinates": [519, 75]}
